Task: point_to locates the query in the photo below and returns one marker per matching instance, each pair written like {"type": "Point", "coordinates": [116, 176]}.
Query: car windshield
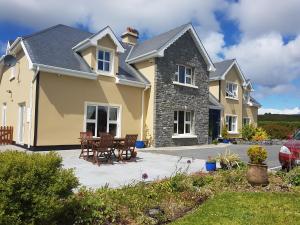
{"type": "Point", "coordinates": [297, 135]}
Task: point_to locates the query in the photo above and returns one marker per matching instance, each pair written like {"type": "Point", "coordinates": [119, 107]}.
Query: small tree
{"type": "Point", "coordinates": [260, 135]}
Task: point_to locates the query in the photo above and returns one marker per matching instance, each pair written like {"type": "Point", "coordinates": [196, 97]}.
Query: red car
{"type": "Point", "coordinates": [289, 154]}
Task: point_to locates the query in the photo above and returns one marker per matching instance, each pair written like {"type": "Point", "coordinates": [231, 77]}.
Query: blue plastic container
{"type": "Point", "coordinates": [226, 141]}
{"type": "Point", "coordinates": [211, 166]}
{"type": "Point", "coordinates": [139, 144]}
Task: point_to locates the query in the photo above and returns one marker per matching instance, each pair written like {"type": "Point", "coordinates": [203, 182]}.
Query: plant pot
{"type": "Point", "coordinates": [226, 141]}
{"type": "Point", "coordinates": [134, 154]}
{"type": "Point", "coordinates": [257, 174]}
{"type": "Point", "coordinates": [139, 144]}
{"type": "Point", "coordinates": [211, 166]}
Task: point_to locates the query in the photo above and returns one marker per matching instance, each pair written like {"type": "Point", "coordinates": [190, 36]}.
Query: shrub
{"type": "Point", "coordinates": [248, 131]}
{"type": "Point", "coordinates": [260, 135]}
{"type": "Point", "coordinates": [228, 160]}
{"type": "Point", "coordinates": [224, 132]}
{"type": "Point", "coordinates": [257, 154]}
{"type": "Point", "coordinates": [215, 142]}
{"type": "Point", "coordinates": [293, 177]}
{"type": "Point", "coordinates": [34, 189]}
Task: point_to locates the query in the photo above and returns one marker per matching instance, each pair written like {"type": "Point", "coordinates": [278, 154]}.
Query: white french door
{"type": "Point", "coordinates": [21, 124]}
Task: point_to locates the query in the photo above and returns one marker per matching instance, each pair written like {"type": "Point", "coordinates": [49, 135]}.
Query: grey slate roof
{"type": "Point", "coordinates": [214, 102]}
{"type": "Point", "coordinates": [221, 68]}
{"type": "Point", "coordinates": [154, 43]}
{"type": "Point", "coordinates": [53, 47]}
{"type": "Point", "coordinates": [253, 101]}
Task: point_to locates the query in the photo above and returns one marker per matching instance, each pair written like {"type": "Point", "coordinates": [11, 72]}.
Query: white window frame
{"type": "Point", "coordinates": [234, 95]}
{"type": "Point", "coordinates": [191, 76]}
{"type": "Point", "coordinates": [246, 118]}
{"type": "Point", "coordinates": [185, 122]}
{"type": "Point", "coordinates": [236, 124]}
{"type": "Point", "coordinates": [246, 97]}
{"type": "Point", "coordinates": [4, 114]}
{"type": "Point", "coordinates": [111, 51]}
{"type": "Point", "coordinates": [118, 121]}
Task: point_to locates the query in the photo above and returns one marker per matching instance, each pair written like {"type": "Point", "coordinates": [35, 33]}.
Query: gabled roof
{"type": "Point", "coordinates": [156, 46]}
{"type": "Point", "coordinates": [253, 102]}
{"type": "Point", "coordinates": [93, 39]}
{"type": "Point", "coordinates": [51, 50]}
{"type": "Point", "coordinates": [222, 69]}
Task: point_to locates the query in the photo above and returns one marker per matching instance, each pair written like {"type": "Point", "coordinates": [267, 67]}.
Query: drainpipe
{"type": "Point", "coordinates": [142, 119]}
{"type": "Point", "coordinates": [30, 105]}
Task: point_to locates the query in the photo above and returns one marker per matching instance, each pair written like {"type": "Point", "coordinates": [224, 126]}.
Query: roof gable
{"type": "Point", "coordinates": [93, 40]}
{"type": "Point", "coordinates": [156, 46]}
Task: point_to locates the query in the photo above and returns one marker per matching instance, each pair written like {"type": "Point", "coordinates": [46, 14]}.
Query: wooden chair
{"type": "Point", "coordinates": [86, 146]}
{"type": "Point", "coordinates": [103, 148]}
{"type": "Point", "coordinates": [128, 146]}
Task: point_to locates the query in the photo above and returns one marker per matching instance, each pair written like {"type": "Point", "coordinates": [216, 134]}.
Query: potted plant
{"type": "Point", "coordinates": [211, 164]}
{"type": "Point", "coordinates": [257, 173]}
{"type": "Point", "coordinates": [228, 160]}
{"type": "Point", "coordinates": [225, 134]}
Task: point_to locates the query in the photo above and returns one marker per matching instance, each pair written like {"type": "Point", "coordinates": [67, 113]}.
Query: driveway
{"type": "Point", "coordinates": [156, 166]}
{"type": "Point", "coordinates": [202, 152]}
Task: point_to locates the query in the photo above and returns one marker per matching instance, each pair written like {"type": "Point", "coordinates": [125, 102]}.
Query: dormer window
{"type": "Point", "coordinates": [104, 61]}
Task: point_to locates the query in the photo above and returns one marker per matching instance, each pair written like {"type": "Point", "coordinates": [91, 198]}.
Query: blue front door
{"type": "Point", "coordinates": [214, 123]}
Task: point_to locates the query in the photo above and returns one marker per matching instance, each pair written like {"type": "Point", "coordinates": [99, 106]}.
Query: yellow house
{"type": "Point", "coordinates": [232, 90]}
{"type": "Point", "coordinates": [66, 81]}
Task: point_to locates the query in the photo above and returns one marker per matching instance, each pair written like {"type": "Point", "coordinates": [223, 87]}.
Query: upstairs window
{"type": "Point", "coordinates": [104, 60]}
{"type": "Point", "coordinates": [183, 122]}
{"type": "Point", "coordinates": [232, 90]}
{"type": "Point", "coordinates": [184, 75]}
{"type": "Point", "coordinates": [246, 96]}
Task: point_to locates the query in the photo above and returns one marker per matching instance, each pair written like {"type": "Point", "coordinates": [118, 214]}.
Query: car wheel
{"type": "Point", "coordinates": [289, 166]}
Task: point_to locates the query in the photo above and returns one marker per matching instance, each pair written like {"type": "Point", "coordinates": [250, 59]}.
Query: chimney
{"type": "Point", "coordinates": [130, 36]}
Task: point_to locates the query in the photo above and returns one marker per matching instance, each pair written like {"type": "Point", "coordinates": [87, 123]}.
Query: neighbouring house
{"type": "Point", "coordinates": [233, 104]}
{"type": "Point", "coordinates": [67, 80]}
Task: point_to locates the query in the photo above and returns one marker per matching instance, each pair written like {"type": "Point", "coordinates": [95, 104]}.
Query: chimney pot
{"type": "Point", "coordinates": [130, 36]}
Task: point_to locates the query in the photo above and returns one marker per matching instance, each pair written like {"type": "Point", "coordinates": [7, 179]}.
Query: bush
{"type": "Point", "coordinates": [248, 131]}
{"type": "Point", "coordinates": [224, 132]}
{"type": "Point", "coordinates": [293, 177]}
{"type": "Point", "coordinates": [257, 154]}
{"type": "Point", "coordinates": [34, 189]}
{"type": "Point", "coordinates": [228, 160]}
{"type": "Point", "coordinates": [277, 131]}
{"type": "Point", "coordinates": [260, 135]}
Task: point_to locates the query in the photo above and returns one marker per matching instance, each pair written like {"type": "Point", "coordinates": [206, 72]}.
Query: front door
{"type": "Point", "coordinates": [214, 123]}
{"type": "Point", "coordinates": [21, 124]}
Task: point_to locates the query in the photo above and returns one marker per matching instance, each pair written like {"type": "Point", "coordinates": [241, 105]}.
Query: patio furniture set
{"type": "Point", "coordinates": [105, 147]}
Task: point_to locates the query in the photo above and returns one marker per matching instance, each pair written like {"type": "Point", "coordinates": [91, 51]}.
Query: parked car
{"type": "Point", "coordinates": [289, 154]}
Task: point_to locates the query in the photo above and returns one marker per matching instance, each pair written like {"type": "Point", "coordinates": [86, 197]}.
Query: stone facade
{"type": "Point", "coordinates": [170, 97]}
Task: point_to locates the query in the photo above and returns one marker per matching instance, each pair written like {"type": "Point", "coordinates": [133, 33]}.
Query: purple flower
{"type": "Point", "coordinates": [189, 162]}
{"type": "Point", "coordinates": [145, 176]}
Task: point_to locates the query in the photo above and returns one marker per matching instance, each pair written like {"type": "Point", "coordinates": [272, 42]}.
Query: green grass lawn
{"type": "Point", "coordinates": [247, 208]}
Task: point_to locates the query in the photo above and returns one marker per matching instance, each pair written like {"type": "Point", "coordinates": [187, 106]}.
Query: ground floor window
{"type": "Point", "coordinates": [231, 123]}
{"type": "Point", "coordinates": [183, 122]}
{"type": "Point", "coordinates": [102, 119]}
{"type": "Point", "coordinates": [246, 121]}
{"type": "Point", "coordinates": [4, 114]}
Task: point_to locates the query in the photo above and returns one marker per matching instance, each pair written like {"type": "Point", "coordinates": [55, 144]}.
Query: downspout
{"type": "Point", "coordinates": [30, 105]}
{"type": "Point", "coordinates": [142, 119]}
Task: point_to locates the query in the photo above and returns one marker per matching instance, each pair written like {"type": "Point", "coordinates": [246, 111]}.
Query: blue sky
{"type": "Point", "coordinates": [263, 35]}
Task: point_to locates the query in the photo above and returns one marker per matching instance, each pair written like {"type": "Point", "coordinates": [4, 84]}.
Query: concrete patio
{"type": "Point", "coordinates": [156, 166]}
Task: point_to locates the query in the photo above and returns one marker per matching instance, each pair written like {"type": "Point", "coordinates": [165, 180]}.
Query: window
{"type": "Point", "coordinates": [246, 121]}
{"type": "Point", "coordinates": [182, 122]}
{"type": "Point", "coordinates": [231, 123]}
{"type": "Point", "coordinates": [4, 107]}
{"type": "Point", "coordinates": [231, 90]}
{"type": "Point", "coordinates": [246, 96]}
{"type": "Point", "coordinates": [104, 60]}
{"type": "Point", "coordinates": [102, 119]}
{"type": "Point", "coordinates": [184, 75]}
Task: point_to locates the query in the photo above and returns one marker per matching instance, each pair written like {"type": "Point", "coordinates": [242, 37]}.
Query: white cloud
{"type": "Point", "coordinates": [256, 17]}
{"type": "Point", "coordinates": [214, 43]}
{"type": "Point", "coordinates": [2, 47]}
{"type": "Point", "coordinates": [295, 110]}
{"type": "Point", "coordinates": [267, 61]}
{"type": "Point", "coordinates": [148, 16]}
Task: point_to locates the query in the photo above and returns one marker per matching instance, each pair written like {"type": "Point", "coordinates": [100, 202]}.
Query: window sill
{"type": "Point", "coordinates": [184, 136]}
{"type": "Point", "coordinates": [185, 85]}
{"type": "Point", "coordinates": [233, 132]}
{"type": "Point", "coordinates": [100, 73]}
{"type": "Point", "coordinates": [232, 98]}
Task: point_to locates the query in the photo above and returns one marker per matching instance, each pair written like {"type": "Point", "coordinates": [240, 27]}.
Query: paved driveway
{"type": "Point", "coordinates": [202, 152]}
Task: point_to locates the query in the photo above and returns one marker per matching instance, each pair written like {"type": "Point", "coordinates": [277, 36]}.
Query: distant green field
{"type": "Point", "coordinates": [279, 126]}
